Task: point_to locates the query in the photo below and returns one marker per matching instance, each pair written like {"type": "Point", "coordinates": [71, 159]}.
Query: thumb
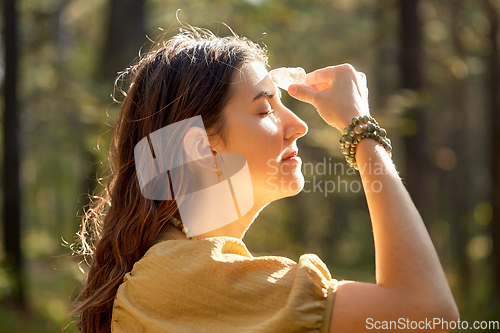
{"type": "Point", "coordinates": [302, 93]}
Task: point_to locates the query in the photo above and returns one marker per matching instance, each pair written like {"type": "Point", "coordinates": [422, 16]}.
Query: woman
{"type": "Point", "coordinates": [146, 275]}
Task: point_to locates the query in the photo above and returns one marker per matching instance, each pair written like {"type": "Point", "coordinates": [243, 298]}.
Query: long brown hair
{"type": "Point", "coordinates": [185, 76]}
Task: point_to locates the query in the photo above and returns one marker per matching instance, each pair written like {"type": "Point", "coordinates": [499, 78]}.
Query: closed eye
{"type": "Point", "coordinates": [267, 113]}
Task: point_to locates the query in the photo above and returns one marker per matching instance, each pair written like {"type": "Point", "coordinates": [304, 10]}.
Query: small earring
{"type": "Point", "coordinates": [220, 168]}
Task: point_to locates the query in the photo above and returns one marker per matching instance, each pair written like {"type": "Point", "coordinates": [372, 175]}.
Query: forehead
{"type": "Point", "coordinates": [253, 72]}
{"type": "Point", "coordinates": [252, 78]}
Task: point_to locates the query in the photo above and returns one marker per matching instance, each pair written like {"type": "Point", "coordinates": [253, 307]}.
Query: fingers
{"type": "Point", "coordinates": [324, 77]}
{"type": "Point", "coordinates": [302, 93]}
{"type": "Point", "coordinates": [322, 80]}
{"type": "Point", "coordinates": [321, 87]}
{"type": "Point", "coordinates": [321, 76]}
{"type": "Point", "coordinates": [361, 77]}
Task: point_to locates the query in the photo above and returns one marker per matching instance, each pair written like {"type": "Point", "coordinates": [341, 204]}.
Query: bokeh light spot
{"type": "Point", "coordinates": [446, 158]}
{"type": "Point", "coordinates": [479, 247]}
{"type": "Point", "coordinates": [483, 213]}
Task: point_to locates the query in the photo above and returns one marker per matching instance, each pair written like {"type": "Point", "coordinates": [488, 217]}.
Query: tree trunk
{"type": "Point", "coordinates": [385, 55]}
{"type": "Point", "coordinates": [125, 36]}
{"type": "Point", "coordinates": [494, 125]}
{"type": "Point", "coordinates": [11, 182]}
{"type": "Point", "coordinates": [458, 180]}
{"type": "Point", "coordinates": [411, 78]}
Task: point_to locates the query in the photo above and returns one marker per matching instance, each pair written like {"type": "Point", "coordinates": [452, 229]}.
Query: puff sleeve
{"type": "Point", "coordinates": [216, 285]}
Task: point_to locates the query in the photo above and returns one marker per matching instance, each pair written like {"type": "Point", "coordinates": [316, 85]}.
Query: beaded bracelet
{"type": "Point", "coordinates": [362, 127]}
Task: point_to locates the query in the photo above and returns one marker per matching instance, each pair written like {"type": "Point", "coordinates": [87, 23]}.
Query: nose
{"type": "Point", "coordinates": [294, 127]}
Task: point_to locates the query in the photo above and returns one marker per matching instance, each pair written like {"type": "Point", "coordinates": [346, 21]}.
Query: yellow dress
{"type": "Point", "coordinates": [216, 285]}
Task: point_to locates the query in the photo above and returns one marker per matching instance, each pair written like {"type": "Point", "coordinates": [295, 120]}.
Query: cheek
{"type": "Point", "coordinates": [265, 145]}
{"type": "Point", "coordinates": [264, 165]}
{"type": "Point", "coordinates": [260, 141]}
{"type": "Point", "coordinates": [268, 127]}
{"type": "Point", "coordinates": [256, 139]}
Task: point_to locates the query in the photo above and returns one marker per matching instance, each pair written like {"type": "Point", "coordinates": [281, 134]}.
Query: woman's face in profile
{"type": "Point", "coordinates": [265, 132]}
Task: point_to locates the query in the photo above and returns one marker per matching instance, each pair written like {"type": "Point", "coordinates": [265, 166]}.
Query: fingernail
{"type": "Point", "coordinates": [292, 90]}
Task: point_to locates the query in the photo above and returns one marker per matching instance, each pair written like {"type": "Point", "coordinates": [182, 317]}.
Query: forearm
{"type": "Point", "coordinates": [410, 280]}
{"type": "Point", "coordinates": [405, 259]}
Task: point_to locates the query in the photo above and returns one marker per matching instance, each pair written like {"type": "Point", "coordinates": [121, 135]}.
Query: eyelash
{"type": "Point", "coordinates": [267, 113]}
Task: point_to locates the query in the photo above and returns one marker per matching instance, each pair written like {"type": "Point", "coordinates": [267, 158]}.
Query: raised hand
{"type": "Point", "coordinates": [339, 93]}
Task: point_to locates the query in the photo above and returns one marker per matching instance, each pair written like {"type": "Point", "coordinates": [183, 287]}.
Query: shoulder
{"type": "Point", "coordinates": [215, 255]}
{"type": "Point", "coordinates": [223, 264]}
{"type": "Point", "coordinates": [218, 282]}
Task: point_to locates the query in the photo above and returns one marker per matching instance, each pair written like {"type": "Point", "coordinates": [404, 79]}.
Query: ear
{"type": "Point", "coordinates": [197, 147]}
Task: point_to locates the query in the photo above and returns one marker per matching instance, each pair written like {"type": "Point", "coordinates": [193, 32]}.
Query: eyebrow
{"type": "Point", "coordinates": [266, 94]}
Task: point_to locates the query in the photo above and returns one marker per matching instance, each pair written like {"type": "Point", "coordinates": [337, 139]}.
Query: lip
{"type": "Point", "coordinates": [290, 157]}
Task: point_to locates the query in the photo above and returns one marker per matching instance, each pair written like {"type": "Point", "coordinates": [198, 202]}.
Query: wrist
{"type": "Point", "coordinates": [349, 118]}
{"type": "Point", "coordinates": [373, 159]}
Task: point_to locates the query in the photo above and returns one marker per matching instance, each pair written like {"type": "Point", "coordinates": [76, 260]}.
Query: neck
{"type": "Point", "coordinates": [237, 228]}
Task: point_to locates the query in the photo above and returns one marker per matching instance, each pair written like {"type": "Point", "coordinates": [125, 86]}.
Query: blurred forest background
{"type": "Point", "coordinates": [433, 74]}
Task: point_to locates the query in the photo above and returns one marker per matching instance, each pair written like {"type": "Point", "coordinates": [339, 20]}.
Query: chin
{"type": "Point", "coordinates": [294, 193]}
{"type": "Point", "coordinates": [284, 186]}
{"type": "Point", "coordinates": [293, 187]}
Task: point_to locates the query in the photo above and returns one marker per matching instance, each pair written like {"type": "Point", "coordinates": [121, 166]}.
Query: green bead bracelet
{"type": "Point", "coordinates": [360, 128]}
